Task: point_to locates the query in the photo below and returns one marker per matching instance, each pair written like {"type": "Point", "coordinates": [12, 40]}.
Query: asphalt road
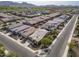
{"type": "Point", "coordinates": [58, 48]}
{"type": "Point", "coordinates": [13, 46]}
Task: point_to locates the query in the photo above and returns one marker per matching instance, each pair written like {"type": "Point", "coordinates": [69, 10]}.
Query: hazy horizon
{"type": "Point", "coordinates": [39, 3]}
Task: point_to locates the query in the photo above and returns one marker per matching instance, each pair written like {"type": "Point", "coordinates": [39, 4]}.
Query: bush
{"type": "Point", "coordinates": [45, 42]}
{"type": "Point", "coordinates": [11, 54]}
{"type": "Point", "coordinates": [2, 49]}
{"type": "Point", "coordinates": [2, 53]}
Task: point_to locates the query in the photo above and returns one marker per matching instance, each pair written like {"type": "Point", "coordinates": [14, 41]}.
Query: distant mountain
{"type": "Point", "coordinates": [25, 4]}
{"type": "Point", "coordinates": [10, 3]}
{"type": "Point", "coordinates": [54, 6]}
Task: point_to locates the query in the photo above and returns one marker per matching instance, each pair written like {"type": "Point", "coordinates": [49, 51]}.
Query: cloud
{"type": "Point", "coordinates": [48, 2]}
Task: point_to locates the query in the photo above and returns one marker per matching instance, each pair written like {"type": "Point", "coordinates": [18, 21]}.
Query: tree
{"type": "Point", "coordinates": [2, 53]}
{"type": "Point", "coordinates": [54, 33]}
{"type": "Point", "coordinates": [62, 24]}
{"type": "Point", "coordinates": [73, 44]}
{"type": "Point", "coordinates": [45, 42]}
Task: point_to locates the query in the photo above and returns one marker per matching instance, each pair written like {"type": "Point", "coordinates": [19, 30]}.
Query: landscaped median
{"type": "Point", "coordinates": [74, 45]}
{"type": "Point", "coordinates": [73, 49]}
{"type": "Point", "coordinates": [77, 30]}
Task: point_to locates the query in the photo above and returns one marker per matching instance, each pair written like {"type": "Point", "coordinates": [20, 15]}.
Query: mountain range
{"type": "Point", "coordinates": [11, 3]}
{"type": "Point", "coordinates": [25, 4]}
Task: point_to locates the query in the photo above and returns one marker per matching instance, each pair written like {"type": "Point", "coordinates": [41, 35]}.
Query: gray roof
{"type": "Point", "coordinates": [54, 14]}
{"type": "Point", "coordinates": [3, 15]}
{"type": "Point", "coordinates": [38, 34]}
{"type": "Point", "coordinates": [41, 18]}
{"type": "Point", "coordinates": [20, 28]}
{"type": "Point", "coordinates": [59, 20]}
{"type": "Point", "coordinates": [14, 25]}
{"type": "Point", "coordinates": [27, 32]}
{"type": "Point", "coordinates": [33, 15]}
{"type": "Point", "coordinates": [9, 18]}
{"type": "Point", "coordinates": [50, 25]}
{"type": "Point", "coordinates": [64, 17]}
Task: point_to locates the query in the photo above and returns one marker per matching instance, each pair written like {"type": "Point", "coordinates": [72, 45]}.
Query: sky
{"type": "Point", "coordinates": [48, 2]}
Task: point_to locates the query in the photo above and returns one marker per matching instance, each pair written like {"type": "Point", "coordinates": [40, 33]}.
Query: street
{"type": "Point", "coordinates": [58, 48]}
{"type": "Point", "coordinates": [15, 47]}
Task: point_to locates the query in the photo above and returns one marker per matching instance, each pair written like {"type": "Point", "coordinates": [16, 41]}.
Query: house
{"type": "Point", "coordinates": [25, 33]}
{"type": "Point", "coordinates": [2, 15]}
{"type": "Point", "coordinates": [54, 14]}
{"type": "Point", "coordinates": [41, 18]}
{"type": "Point", "coordinates": [19, 28]}
{"type": "Point", "coordinates": [50, 25]}
{"type": "Point", "coordinates": [38, 35]}
{"type": "Point", "coordinates": [9, 18]}
{"type": "Point", "coordinates": [59, 20]}
{"type": "Point", "coordinates": [64, 17]}
{"type": "Point", "coordinates": [14, 25]}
